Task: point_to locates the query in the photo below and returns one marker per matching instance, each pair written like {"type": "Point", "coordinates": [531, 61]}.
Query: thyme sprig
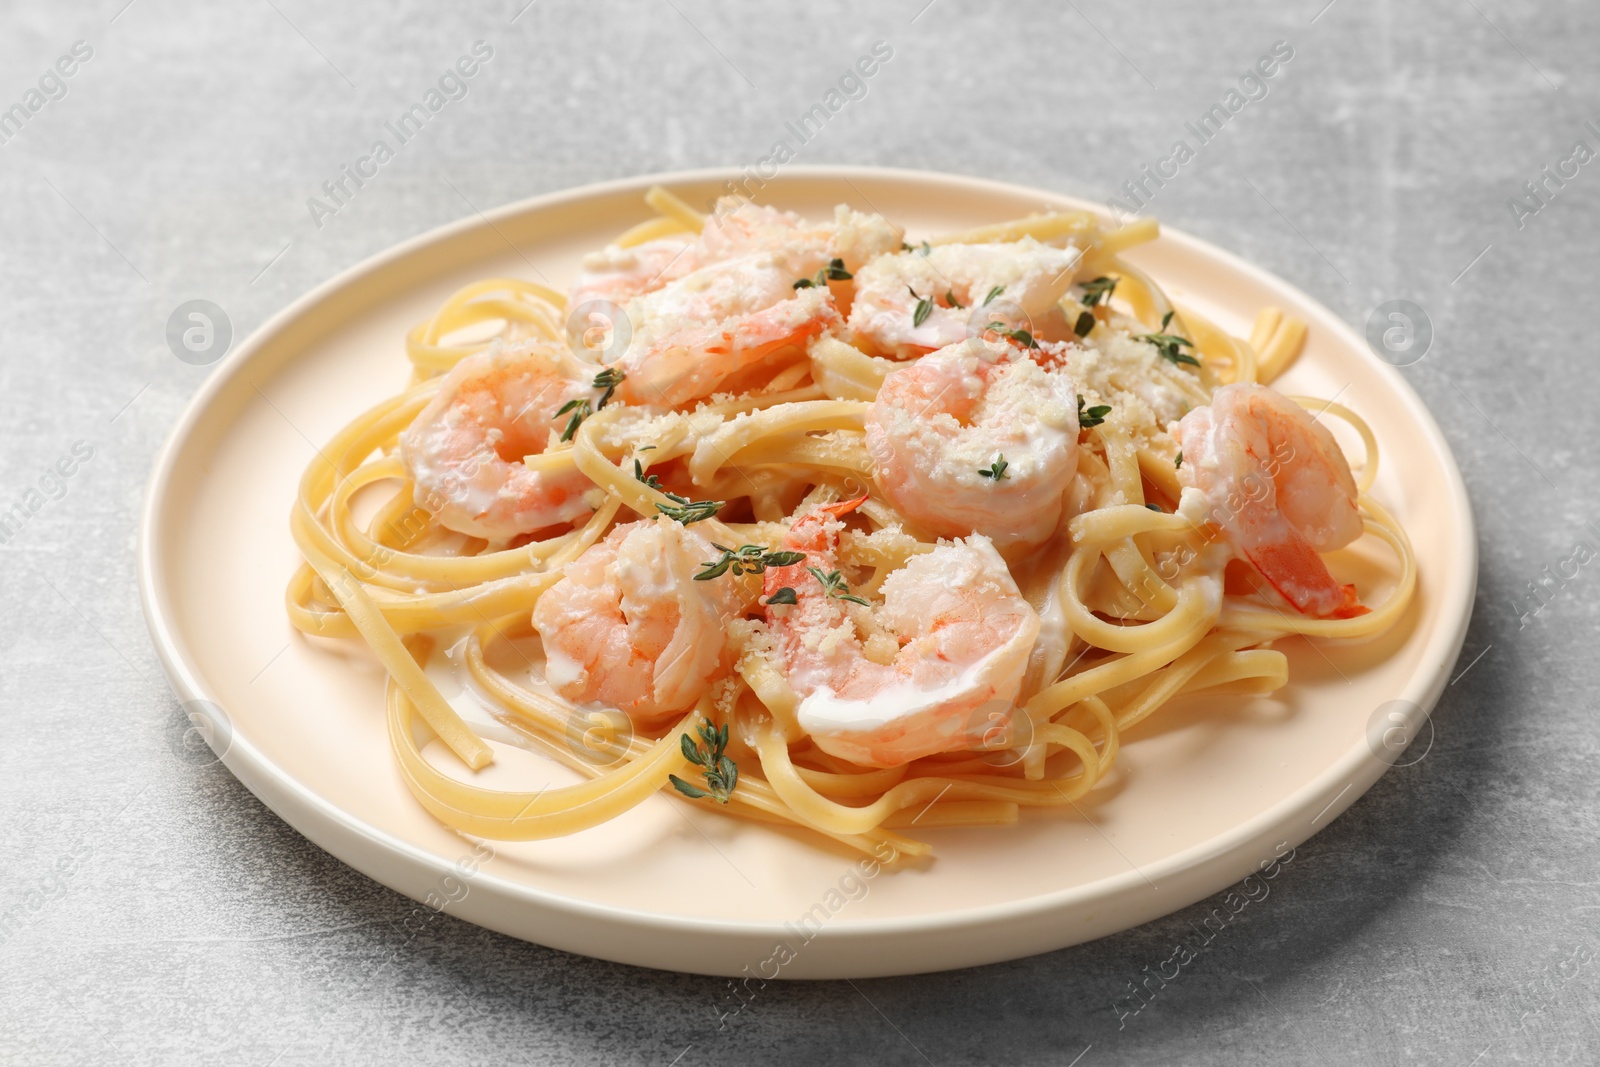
{"type": "Point", "coordinates": [1098, 290]}
{"type": "Point", "coordinates": [682, 508]}
{"type": "Point", "coordinates": [1168, 344]}
{"type": "Point", "coordinates": [997, 469]}
{"type": "Point", "coordinates": [608, 380]}
{"type": "Point", "coordinates": [833, 272]}
{"type": "Point", "coordinates": [834, 585]}
{"type": "Point", "coordinates": [689, 511]}
{"type": "Point", "coordinates": [1019, 335]}
{"type": "Point", "coordinates": [924, 308]}
{"type": "Point", "coordinates": [582, 407]}
{"type": "Point", "coordinates": [721, 773]}
{"type": "Point", "coordinates": [746, 559]}
{"type": "Point", "coordinates": [648, 479]}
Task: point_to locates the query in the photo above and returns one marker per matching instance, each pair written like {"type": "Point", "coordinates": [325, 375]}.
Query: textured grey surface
{"type": "Point", "coordinates": [153, 911]}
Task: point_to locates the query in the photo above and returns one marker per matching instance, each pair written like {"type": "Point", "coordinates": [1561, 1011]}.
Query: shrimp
{"type": "Point", "coordinates": [1279, 487]}
{"type": "Point", "coordinates": [464, 450]}
{"type": "Point", "coordinates": [946, 648]}
{"type": "Point", "coordinates": [691, 336]}
{"type": "Point", "coordinates": [627, 624]}
{"type": "Point", "coordinates": [616, 275]}
{"type": "Point", "coordinates": [735, 228]}
{"type": "Point", "coordinates": [976, 438]}
{"type": "Point", "coordinates": [967, 286]}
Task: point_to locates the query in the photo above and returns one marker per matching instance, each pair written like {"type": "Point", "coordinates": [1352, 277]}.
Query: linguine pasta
{"type": "Point", "coordinates": [1139, 596]}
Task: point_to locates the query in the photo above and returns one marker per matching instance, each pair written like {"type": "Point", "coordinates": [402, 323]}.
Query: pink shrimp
{"type": "Point", "coordinates": [949, 645]}
{"type": "Point", "coordinates": [735, 228]}
{"type": "Point", "coordinates": [1279, 487]}
{"type": "Point", "coordinates": [912, 303]}
{"type": "Point", "coordinates": [976, 438]}
{"type": "Point", "coordinates": [465, 449]}
{"type": "Point", "coordinates": [627, 624]}
{"type": "Point", "coordinates": [693, 335]}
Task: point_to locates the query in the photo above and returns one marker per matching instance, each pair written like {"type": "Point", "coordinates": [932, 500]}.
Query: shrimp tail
{"type": "Point", "coordinates": [1351, 605]}
{"type": "Point", "coordinates": [1296, 570]}
{"type": "Point", "coordinates": [769, 330]}
{"type": "Point", "coordinates": [844, 507]}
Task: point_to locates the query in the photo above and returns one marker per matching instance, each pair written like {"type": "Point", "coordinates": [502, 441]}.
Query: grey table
{"type": "Point", "coordinates": [153, 911]}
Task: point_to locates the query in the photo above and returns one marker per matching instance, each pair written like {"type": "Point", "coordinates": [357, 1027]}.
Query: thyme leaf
{"type": "Point", "coordinates": [608, 380]}
{"type": "Point", "coordinates": [833, 272]}
{"type": "Point", "coordinates": [1097, 290]}
{"type": "Point", "coordinates": [746, 559]}
{"type": "Point", "coordinates": [834, 585]}
{"type": "Point", "coordinates": [690, 511]}
{"type": "Point", "coordinates": [1168, 345]}
{"type": "Point", "coordinates": [1019, 335]}
{"type": "Point", "coordinates": [648, 479]}
{"type": "Point", "coordinates": [581, 409]}
{"type": "Point", "coordinates": [721, 773]}
{"type": "Point", "coordinates": [995, 470]}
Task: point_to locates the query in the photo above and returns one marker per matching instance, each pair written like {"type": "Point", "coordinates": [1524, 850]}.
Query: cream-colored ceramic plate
{"type": "Point", "coordinates": [1205, 793]}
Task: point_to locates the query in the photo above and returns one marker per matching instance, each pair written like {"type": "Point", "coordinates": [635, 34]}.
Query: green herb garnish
{"type": "Point", "coordinates": [689, 511]}
{"type": "Point", "coordinates": [1179, 462]}
{"type": "Point", "coordinates": [833, 272]}
{"type": "Point", "coordinates": [1019, 335]}
{"type": "Point", "coordinates": [996, 291]}
{"type": "Point", "coordinates": [783, 596]}
{"type": "Point", "coordinates": [608, 380]}
{"type": "Point", "coordinates": [833, 584]}
{"type": "Point", "coordinates": [923, 309]}
{"type": "Point", "coordinates": [1167, 344]}
{"type": "Point", "coordinates": [747, 559]}
{"type": "Point", "coordinates": [997, 469]}
{"type": "Point", "coordinates": [1097, 290]}
{"type": "Point", "coordinates": [581, 409]}
{"type": "Point", "coordinates": [648, 479]}
{"type": "Point", "coordinates": [721, 773]}
{"type": "Point", "coordinates": [1084, 324]}
{"type": "Point", "coordinates": [1088, 419]}
{"type": "Point", "coordinates": [950, 298]}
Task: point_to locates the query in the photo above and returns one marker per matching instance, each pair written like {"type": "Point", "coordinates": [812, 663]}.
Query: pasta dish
{"type": "Point", "coordinates": [813, 525]}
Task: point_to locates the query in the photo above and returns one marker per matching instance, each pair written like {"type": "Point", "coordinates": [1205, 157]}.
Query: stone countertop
{"type": "Point", "coordinates": [167, 152]}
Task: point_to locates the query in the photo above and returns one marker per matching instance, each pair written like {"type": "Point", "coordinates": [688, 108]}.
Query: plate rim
{"type": "Point", "coordinates": [1356, 766]}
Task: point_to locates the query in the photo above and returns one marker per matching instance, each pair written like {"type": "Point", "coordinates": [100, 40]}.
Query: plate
{"type": "Point", "coordinates": [1206, 793]}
